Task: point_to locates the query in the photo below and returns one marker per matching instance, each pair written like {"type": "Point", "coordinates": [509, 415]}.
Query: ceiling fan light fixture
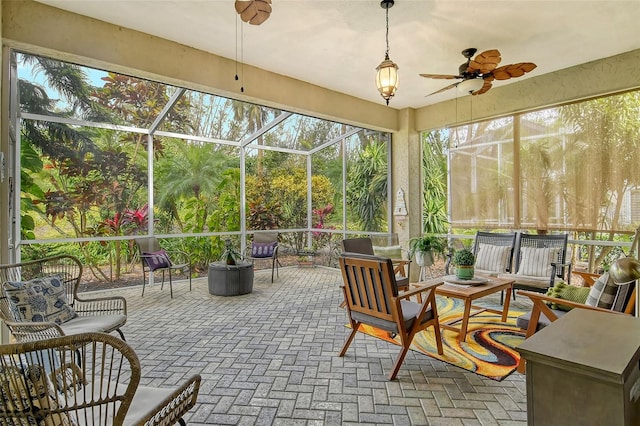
{"type": "Point", "coordinates": [467, 87]}
{"type": "Point", "coordinates": [387, 72]}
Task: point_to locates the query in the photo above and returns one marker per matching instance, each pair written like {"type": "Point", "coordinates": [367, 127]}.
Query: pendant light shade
{"type": "Point", "coordinates": [387, 78]}
{"type": "Point", "coordinates": [387, 72]}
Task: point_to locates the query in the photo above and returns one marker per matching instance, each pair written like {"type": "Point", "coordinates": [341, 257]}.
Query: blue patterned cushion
{"type": "Point", "coordinates": [157, 259]}
{"type": "Point", "coordinates": [39, 300]}
{"type": "Point", "coordinates": [263, 249]}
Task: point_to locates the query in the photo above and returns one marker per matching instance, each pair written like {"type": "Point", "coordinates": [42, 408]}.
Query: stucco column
{"type": "Point", "coordinates": [406, 160]}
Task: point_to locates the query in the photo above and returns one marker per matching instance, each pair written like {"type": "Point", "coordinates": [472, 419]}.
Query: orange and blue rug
{"type": "Point", "coordinates": [489, 347]}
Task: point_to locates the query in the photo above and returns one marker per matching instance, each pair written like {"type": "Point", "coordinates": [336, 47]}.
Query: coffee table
{"type": "Point", "coordinates": [469, 293]}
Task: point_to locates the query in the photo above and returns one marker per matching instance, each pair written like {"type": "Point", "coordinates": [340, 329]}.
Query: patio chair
{"type": "Point", "coordinates": [372, 298]}
{"type": "Point", "coordinates": [540, 260]}
{"type": "Point", "coordinates": [40, 300]}
{"type": "Point", "coordinates": [44, 383]}
{"type": "Point", "coordinates": [494, 254]}
{"type": "Point", "coordinates": [265, 246]}
{"type": "Point", "coordinates": [365, 246]}
{"type": "Point", "coordinates": [605, 296]}
{"type": "Point", "coordinates": [155, 259]}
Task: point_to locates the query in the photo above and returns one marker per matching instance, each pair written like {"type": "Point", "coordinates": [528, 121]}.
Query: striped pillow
{"type": "Point", "coordinates": [536, 262]}
{"type": "Point", "coordinates": [603, 292]}
{"type": "Point", "coordinates": [493, 258]}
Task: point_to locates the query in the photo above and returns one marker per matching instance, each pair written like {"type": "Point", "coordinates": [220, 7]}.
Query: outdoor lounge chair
{"type": "Point", "coordinates": [371, 296]}
{"type": "Point", "coordinates": [365, 246]}
{"type": "Point", "coordinates": [155, 259]}
{"type": "Point", "coordinates": [54, 281]}
{"type": "Point", "coordinates": [540, 260]}
{"type": "Point", "coordinates": [44, 383]}
{"type": "Point", "coordinates": [265, 246]}
{"type": "Point", "coordinates": [494, 254]}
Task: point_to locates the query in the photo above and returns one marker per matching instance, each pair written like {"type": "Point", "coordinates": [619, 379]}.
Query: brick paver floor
{"type": "Point", "coordinates": [271, 358]}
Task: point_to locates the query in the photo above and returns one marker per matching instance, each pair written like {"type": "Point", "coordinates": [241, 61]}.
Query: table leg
{"type": "Point", "coordinates": [505, 307]}
{"type": "Point", "coordinates": [465, 320]}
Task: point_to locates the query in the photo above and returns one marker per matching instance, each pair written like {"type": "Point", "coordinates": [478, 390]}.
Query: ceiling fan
{"type": "Point", "coordinates": [482, 70]}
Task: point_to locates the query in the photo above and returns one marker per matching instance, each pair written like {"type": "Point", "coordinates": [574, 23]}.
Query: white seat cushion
{"type": "Point", "coordinates": [93, 323]}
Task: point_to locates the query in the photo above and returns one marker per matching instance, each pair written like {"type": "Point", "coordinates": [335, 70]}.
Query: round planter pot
{"type": "Point", "coordinates": [230, 280]}
{"type": "Point", "coordinates": [424, 258]}
{"type": "Point", "coordinates": [464, 272]}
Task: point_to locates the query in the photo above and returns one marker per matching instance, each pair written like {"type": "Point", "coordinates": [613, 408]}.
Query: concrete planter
{"type": "Point", "coordinates": [230, 280]}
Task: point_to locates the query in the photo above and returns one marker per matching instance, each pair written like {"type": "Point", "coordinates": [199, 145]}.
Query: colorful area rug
{"type": "Point", "coordinates": [488, 349]}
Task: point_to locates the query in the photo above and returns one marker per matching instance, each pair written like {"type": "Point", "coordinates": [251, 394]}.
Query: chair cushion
{"type": "Point", "coordinates": [409, 311]}
{"type": "Point", "coordinates": [39, 300]}
{"type": "Point", "coordinates": [392, 252]}
{"type": "Point", "coordinates": [29, 387]}
{"type": "Point", "coordinates": [93, 323]}
{"type": "Point", "coordinates": [603, 292]}
{"type": "Point", "coordinates": [157, 259]}
{"type": "Point", "coordinates": [536, 262]}
{"type": "Point", "coordinates": [263, 249]}
{"type": "Point", "coordinates": [493, 258]}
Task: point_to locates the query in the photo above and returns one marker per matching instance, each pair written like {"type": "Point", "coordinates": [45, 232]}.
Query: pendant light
{"type": "Point", "coordinates": [387, 76]}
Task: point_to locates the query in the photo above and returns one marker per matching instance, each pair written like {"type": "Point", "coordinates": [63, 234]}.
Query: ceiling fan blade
{"type": "Point", "coordinates": [254, 12]}
{"type": "Point", "coordinates": [485, 62]}
{"type": "Point", "coordinates": [485, 87]}
{"type": "Point", "coordinates": [513, 70]}
{"type": "Point", "coordinates": [441, 76]}
{"type": "Point", "coordinates": [451, 86]}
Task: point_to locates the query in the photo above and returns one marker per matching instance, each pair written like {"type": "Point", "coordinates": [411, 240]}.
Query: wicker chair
{"type": "Point", "coordinates": [104, 314]}
{"type": "Point", "coordinates": [43, 383]}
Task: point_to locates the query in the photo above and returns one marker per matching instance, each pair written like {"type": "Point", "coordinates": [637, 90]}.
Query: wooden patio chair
{"type": "Point", "coordinates": [44, 383]}
{"type": "Point", "coordinates": [371, 295]}
{"type": "Point", "coordinates": [155, 259]}
{"type": "Point", "coordinates": [265, 246]}
{"type": "Point", "coordinates": [365, 246]}
{"type": "Point", "coordinates": [40, 300]}
{"type": "Point", "coordinates": [547, 309]}
{"type": "Point", "coordinates": [540, 260]}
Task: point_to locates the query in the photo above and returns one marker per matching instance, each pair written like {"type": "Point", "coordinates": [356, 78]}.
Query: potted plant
{"type": "Point", "coordinates": [426, 248]}
{"type": "Point", "coordinates": [231, 276]}
{"type": "Point", "coordinates": [230, 255]}
{"type": "Point", "coordinates": [463, 260]}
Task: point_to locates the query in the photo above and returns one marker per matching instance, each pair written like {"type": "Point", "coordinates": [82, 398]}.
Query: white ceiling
{"type": "Point", "coordinates": [338, 44]}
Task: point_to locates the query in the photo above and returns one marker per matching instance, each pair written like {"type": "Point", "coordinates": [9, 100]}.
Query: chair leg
{"type": "Point", "coordinates": [438, 336]}
{"type": "Point", "coordinates": [121, 334]}
{"type": "Point", "coordinates": [399, 360]}
{"type": "Point", "coordinates": [144, 281]}
{"type": "Point", "coordinates": [354, 330]}
{"type": "Point", "coordinates": [170, 283]}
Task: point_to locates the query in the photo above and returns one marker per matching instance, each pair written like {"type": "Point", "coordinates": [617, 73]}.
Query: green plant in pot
{"type": "Point", "coordinates": [463, 260]}
{"type": "Point", "coordinates": [426, 248]}
{"type": "Point", "coordinates": [230, 255]}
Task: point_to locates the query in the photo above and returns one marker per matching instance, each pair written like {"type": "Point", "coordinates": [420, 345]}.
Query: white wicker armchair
{"type": "Point", "coordinates": [85, 379]}
{"type": "Point", "coordinates": [104, 314]}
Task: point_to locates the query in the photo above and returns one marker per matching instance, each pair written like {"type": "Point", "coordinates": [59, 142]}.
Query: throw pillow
{"type": "Point", "coordinates": [562, 290]}
{"type": "Point", "coordinates": [39, 300]}
{"type": "Point", "coordinates": [157, 259]}
{"type": "Point", "coordinates": [263, 249]}
{"type": "Point", "coordinates": [603, 292]}
{"type": "Point", "coordinates": [392, 252]}
{"type": "Point", "coordinates": [29, 388]}
{"type": "Point", "coordinates": [536, 262]}
{"type": "Point", "coordinates": [493, 258]}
